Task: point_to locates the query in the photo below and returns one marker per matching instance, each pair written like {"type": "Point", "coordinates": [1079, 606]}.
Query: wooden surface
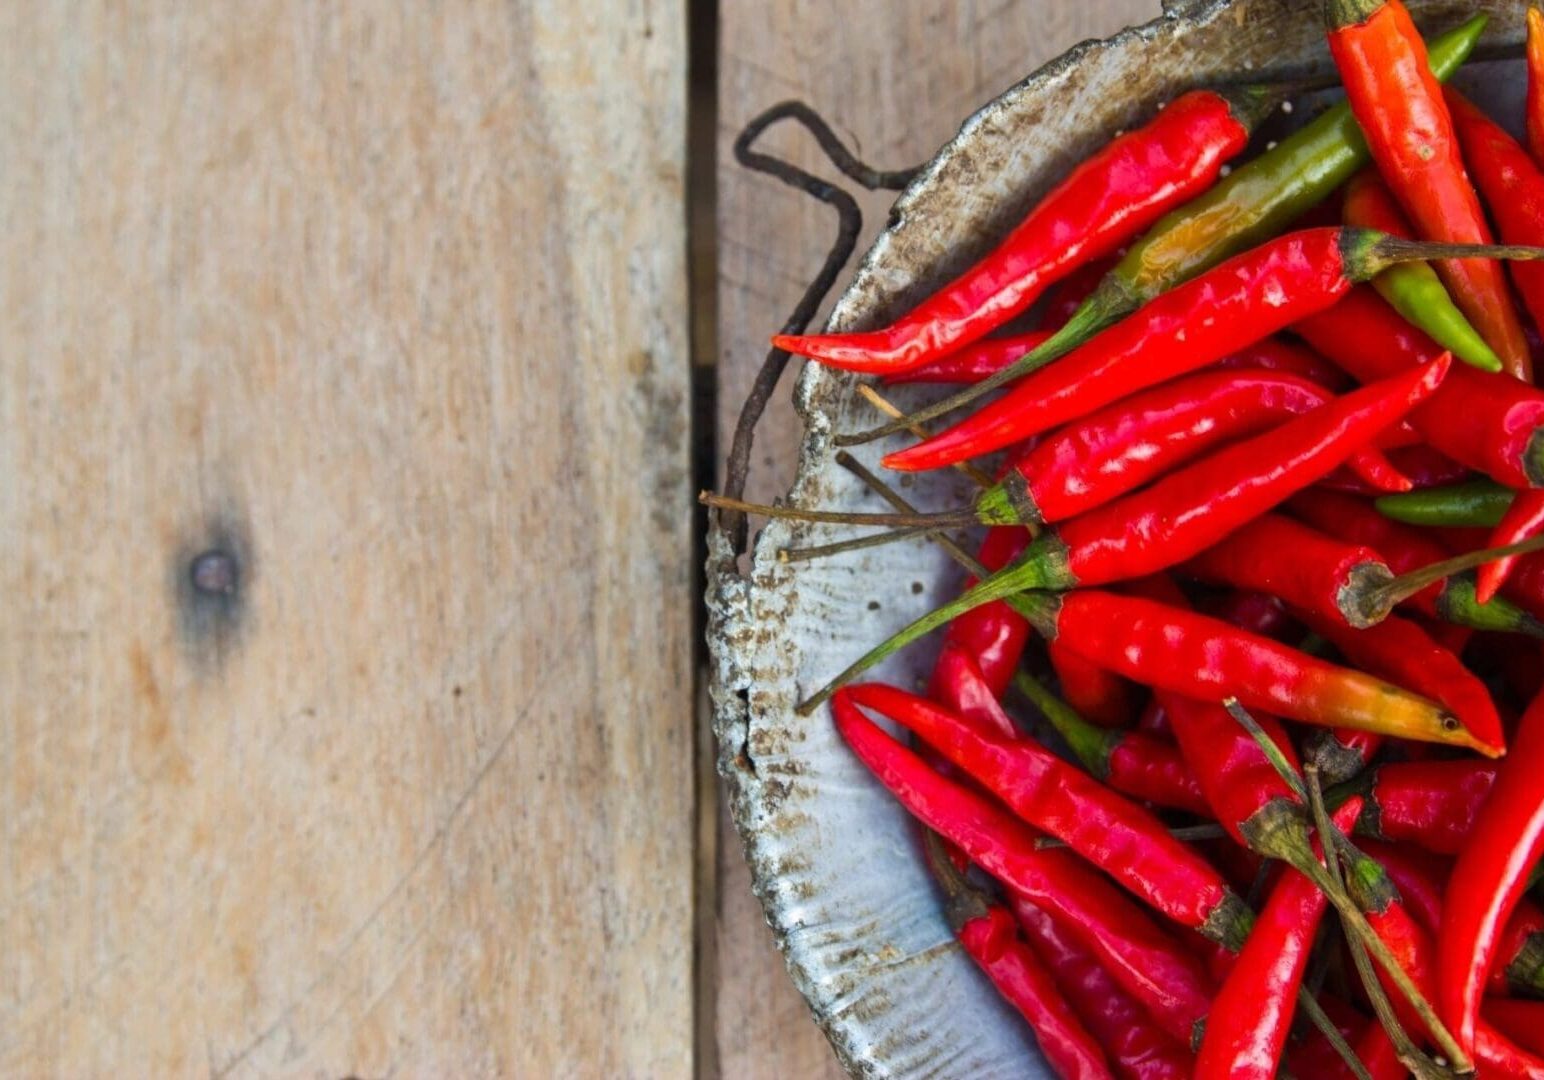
{"type": "Point", "coordinates": [896, 80]}
{"type": "Point", "coordinates": [389, 300]}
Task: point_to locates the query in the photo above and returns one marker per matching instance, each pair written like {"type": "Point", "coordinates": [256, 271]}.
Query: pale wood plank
{"type": "Point", "coordinates": [390, 299]}
{"type": "Point", "coordinates": [899, 78]}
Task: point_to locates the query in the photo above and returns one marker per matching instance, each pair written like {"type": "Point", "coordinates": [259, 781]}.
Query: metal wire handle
{"type": "Point", "coordinates": [849, 225]}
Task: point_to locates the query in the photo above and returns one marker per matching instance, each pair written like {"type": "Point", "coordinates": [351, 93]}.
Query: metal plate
{"type": "Point", "coordinates": [833, 858]}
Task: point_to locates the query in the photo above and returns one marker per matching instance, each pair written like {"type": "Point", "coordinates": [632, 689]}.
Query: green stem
{"type": "Point", "coordinates": [1091, 744]}
{"type": "Point", "coordinates": [1042, 566]}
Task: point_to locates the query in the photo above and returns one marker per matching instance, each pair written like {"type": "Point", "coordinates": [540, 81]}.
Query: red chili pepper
{"type": "Point", "coordinates": [959, 686]}
{"type": "Point", "coordinates": [992, 940]}
{"type": "Point", "coordinates": [1512, 186]}
{"type": "Point", "coordinates": [1408, 942]}
{"type": "Point", "coordinates": [1289, 358]}
{"type": "Point", "coordinates": [1203, 658]}
{"type": "Point", "coordinates": [1108, 199]}
{"type": "Point", "coordinates": [1143, 958]}
{"type": "Point", "coordinates": [1192, 508]}
{"type": "Point", "coordinates": [994, 634]}
{"type": "Point", "coordinates": [1374, 469]}
{"type": "Point", "coordinates": [1251, 1017]}
{"type": "Point", "coordinates": [1491, 874]}
{"type": "Point", "coordinates": [1502, 418]}
{"type": "Point", "coordinates": [1432, 804]}
{"type": "Point", "coordinates": [1115, 834]}
{"type": "Point", "coordinates": [1136, 1047]}
{"type": "Point", "coordinates": [1535, 109]}
{"type": "Point", "coordinates": [1100, 696]}
{"type": "Point", "coordinates": [1401, 651]}
{"type": "Point", "coordinates": [1125, 445]}
{"type": "Point", "coordinates": [1132, 762]}
{"type": "Point", "coordinates": [1398, 104]}
{"type": "Point", "coordinates": [1523, 519]}
{"type": "Point", "coordinates": [1182, 514]}
{"type": "Point", "coordinates": [1320, 576]}
{"type": "Point", "coordinates": [974, 362]}
{"type": "Point", "coordinates": [1244, 300]}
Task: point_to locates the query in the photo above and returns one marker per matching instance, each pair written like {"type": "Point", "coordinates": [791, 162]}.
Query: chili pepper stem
{"type": "Point", "coordinates": [1409, 1054]}
{"type": "Point", "coordinates": [878, 400]}
{"type": "Point", "coordinates": [1362, 931]}
{"type": "Point", "coordinates": [1367, 252]}
{"type": "Point", "coordinates": [1533, 459]}
{"type": "Point", "coordinates": [1399, 589]}
{"type": "Point", "coordinates": [963, 901]}
{"type": "Point", "coordinates": [893, 497]}
{"type": "Point", "coordinates": [1527, 967]}
{"type": "Point", "coordinates": [1338, 13]}
{"type": "Point", "coordinates": [943, 520]}
{"type": "Point", "coordinates": [824, 551]}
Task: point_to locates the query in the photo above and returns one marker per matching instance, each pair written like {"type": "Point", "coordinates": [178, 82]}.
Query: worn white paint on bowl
{"type": "Point", "coordinates": [833, 858]}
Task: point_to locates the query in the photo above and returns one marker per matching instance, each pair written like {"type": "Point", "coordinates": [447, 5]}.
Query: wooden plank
{"type": "Point", "coordinates": [897, 79]}
{"type": "Point", "coordinates": [388, 301]}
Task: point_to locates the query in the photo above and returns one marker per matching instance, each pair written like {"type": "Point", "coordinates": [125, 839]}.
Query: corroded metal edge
{"type": "Point", "coordinates": [754, 677]}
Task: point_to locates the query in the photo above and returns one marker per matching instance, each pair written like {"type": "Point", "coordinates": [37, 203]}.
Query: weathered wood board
{"type": "Point", "coordinates": [388, 302]}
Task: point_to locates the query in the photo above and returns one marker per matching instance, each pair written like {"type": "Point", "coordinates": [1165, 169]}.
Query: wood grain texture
{"type": "Point", "coordinates": [897, 80]}
{"type": "Point", "coordinates": [387, 299]}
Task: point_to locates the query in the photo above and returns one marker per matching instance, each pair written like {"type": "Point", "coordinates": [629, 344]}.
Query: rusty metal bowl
{"type": "Point", "coordinates": [833, 859]}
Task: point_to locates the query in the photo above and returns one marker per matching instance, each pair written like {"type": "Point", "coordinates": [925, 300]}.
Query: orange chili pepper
{"type": "Point", "coordinates": [1398, 104]}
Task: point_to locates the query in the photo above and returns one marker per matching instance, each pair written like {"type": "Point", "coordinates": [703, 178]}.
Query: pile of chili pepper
{"type": "Point", "coordinates": [1232, 757]}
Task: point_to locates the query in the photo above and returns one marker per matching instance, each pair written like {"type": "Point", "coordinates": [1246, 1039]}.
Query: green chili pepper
{"type": "Point", "coordinates": [1414, 289]}
{"type": "Point", "coordinates": [1416, 292]}
{"type": "Point", "coordinates": [1474, 503]}
{"type": "Point", "coordinates": [1255, 202]}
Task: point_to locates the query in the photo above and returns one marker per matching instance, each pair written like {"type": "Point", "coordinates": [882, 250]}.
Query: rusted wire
{"type": "Point", "coordinates": [849, 225]}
